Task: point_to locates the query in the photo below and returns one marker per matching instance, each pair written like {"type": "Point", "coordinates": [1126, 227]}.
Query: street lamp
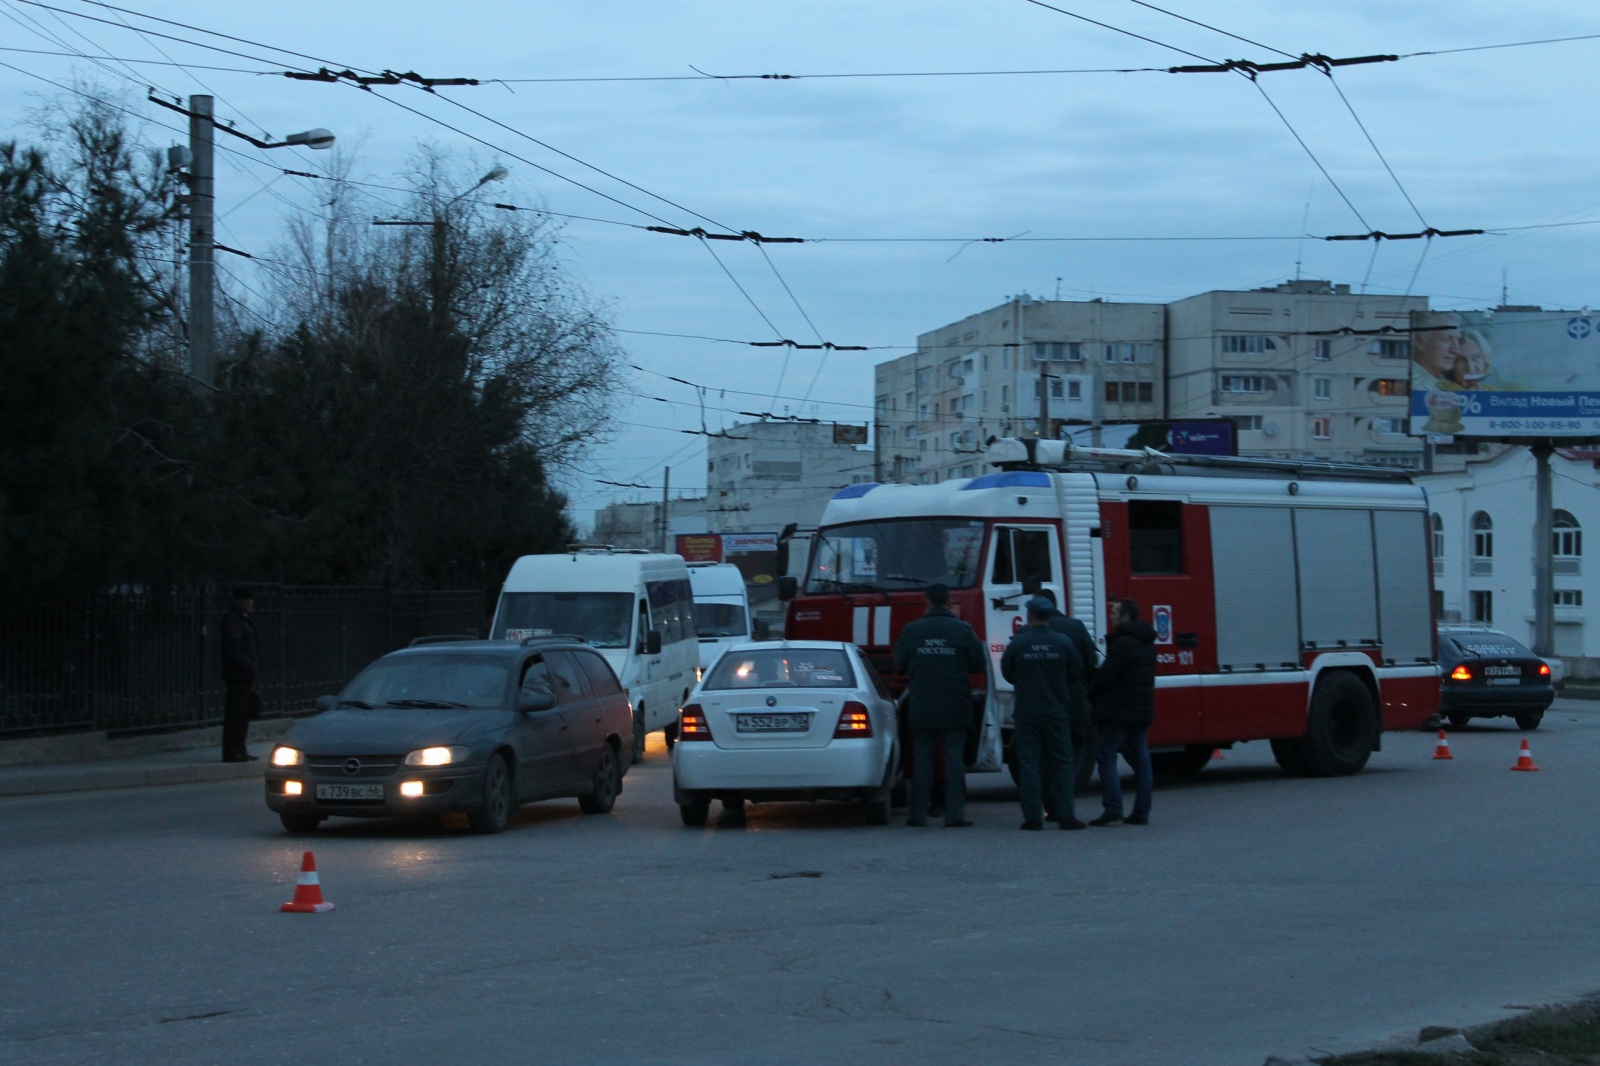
{"type": "Point", "coordinates": [440, 223]}
{"type": "Point", "coordinates": [202, 220]}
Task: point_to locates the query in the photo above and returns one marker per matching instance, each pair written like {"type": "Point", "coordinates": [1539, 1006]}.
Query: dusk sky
{"type": "Point", "coordinates": [1110, 176]}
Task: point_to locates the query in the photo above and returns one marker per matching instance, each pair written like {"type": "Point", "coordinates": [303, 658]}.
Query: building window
{"type": "Point", "coordinates": [1388, 425]}
{"type": "Point", "coordinates": [1390, 349]}
{"type": "Point", "coordinates": [1246, 383]}
{"type": "Point", "coordinates": [1005, 397]}
{"type": "Point", "coordinates": [1057, 389]}
{"type": "Point", "coordinates": [1147, 353]}
{"type": "Point", "coordinates": [1390, 387]}
{"type": "Point", "coordinates": [1075, 389]}
{"type": "Point", "coordinates": [1253, 423]}
{"type": "Point", "coordinates": [1247, 344]}
{"type": "Point", "coordinates": [1567, 597]}
{"type": "Point", "coordinates": [1322, 388]}
{"type": "Point", "coordinates": [1147, 392]}
{"type": "Point", "coordinates": [1437, 525]}
{"type": "Point", "coordinates": [922, 413]}
{"type": "Point", "coordinates": [1130, 392]}
{"type": "Point", "coordinates": [1324, 350]}
{"type": "Point", "coordinates": [1112, 392]}
{"type": "Point", "coordinates": [1121, 353]}
{"type": "Point", "coordinates": [1482, 540]}
{"type": "Point", "coordinates": [1567, 536]}
{"type": "Point", "coordinates": [1074, 352]}
{"type": "Point", "coordinates": [1322, 428]}
{"type": "Point", "coordinates": [1482, 605]}
{"type": "Point", "coordinates": [911, 400]}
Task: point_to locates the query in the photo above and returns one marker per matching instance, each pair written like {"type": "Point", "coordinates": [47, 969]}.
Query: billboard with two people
{"type": "Point", "coordinates": [1505, 374]}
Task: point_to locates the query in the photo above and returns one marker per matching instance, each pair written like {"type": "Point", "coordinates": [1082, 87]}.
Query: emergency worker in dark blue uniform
{"type": "Point", "coordinates": [1047, 675]}
{"type": "Point", "coordinates": [938, 653]}
{"type": "Point", "coordinates": [1083, 740]}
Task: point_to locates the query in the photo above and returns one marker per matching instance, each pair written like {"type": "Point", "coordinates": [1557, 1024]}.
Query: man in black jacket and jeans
{"type": "Point", "coordinates": [937, 653]}
{"type": "Point", "coordinates": [1124, 697]}
{"type": "Point", "coordinates": [241, 669]}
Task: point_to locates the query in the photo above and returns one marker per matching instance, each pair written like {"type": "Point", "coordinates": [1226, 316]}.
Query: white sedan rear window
{"type": "Point", "coordinates": [783, 668]}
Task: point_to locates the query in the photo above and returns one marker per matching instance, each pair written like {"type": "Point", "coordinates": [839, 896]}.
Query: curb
{"type": "Point", "coordinates": [79, 778]}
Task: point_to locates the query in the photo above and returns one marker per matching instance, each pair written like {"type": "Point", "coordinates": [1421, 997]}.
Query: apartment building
{"type": "Point", "coordinates": [761, 476]}
{"type": "Point", "coordinates": [1274, 361]}
{"type": "Point", "coordinates": [987, 375]}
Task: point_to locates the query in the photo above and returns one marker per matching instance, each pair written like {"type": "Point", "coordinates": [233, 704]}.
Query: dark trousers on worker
{"type": "Point", "coordinates": [1131, 745]}
{"type": "Point", "coordinates": [238, 706]}
{"type": "Point", "coordinates": [1044, 766]}
{"type": "Point", "coordinates": [927, 745]}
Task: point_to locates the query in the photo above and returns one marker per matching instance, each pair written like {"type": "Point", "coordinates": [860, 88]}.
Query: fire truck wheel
{"type": "Point", "coordinates": [1287, 752]}
{"type": "Point", "coordinates": [1342, 728]}
{"type": "Point", "coordinates": [1191, 760]}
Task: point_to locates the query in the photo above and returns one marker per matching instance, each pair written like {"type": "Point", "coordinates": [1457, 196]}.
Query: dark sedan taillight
{"type": "Point", "coordinates": [692, 723]}
{"type": "Point", "coordinates": [854, 722]}
{"type": "Point", "coordinates": [1544, 669]}
{"type": "Point", "coordinates": [1461, 673]}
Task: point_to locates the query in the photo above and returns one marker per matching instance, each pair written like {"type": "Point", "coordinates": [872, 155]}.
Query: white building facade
{"type": "Point", "coordinates": [1482, 520]}
{"type": "Point", "coordinates": [762, 476]}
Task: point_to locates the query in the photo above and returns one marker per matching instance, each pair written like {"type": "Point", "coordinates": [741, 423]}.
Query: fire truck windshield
{"type": "Point", "coordinates": [906, 553]}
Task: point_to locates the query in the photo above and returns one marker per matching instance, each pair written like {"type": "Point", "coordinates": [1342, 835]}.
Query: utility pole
{"type": "Point", "coordinates": [1097, 404]}
{"type": "Point", "coordinates": [1543, 552]}
{"type": "Point", "coordinates": [202, 242]}
{"type": "Point", "coordinates": [1044, 402]}
{"type": "Point", "coordinates": [666, 484]}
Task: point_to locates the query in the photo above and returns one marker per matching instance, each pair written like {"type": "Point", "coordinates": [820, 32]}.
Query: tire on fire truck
{"type": "Point", "coordinates": [1341, 727]}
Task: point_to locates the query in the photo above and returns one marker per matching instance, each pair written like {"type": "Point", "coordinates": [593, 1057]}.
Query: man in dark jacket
{"type": "Point", "coordinates": [1082, 733]}
{"type": "Point", "coordinates": [1124, 697]}
{"type": "Point", "coordinates": [241, 668]}
{"type": "Point", "coordinates": [1046, 674]}
{"type": "Point", "coordinates": [937, 653]}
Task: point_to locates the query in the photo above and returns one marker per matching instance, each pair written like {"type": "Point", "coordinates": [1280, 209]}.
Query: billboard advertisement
{"type": "Point", "coordinates": [1505, 374]}
{"type": "Point", "coordinates": [1203, 436]}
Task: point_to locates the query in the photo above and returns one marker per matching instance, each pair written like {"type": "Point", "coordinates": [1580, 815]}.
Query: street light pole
{"type": "Point", "coordinates": [203, 222]}
{"type": "Point", "coordinates": [440, 223]}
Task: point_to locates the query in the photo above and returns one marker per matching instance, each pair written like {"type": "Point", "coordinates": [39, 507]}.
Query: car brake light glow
{"type": "Point", "coordinates": [1461, 673]}
{"type": "Point", "coordinates": [692, 723]}
{"type": "Point", "coordinates": [1544, 669]}
{"type": "Point", "coordinates": [854, 722]}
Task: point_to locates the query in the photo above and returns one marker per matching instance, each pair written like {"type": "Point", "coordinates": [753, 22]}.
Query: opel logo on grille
{"type": "Point", "coordinates": [352, 766]}
{"type": "Point", "coordinates": [772, 701]}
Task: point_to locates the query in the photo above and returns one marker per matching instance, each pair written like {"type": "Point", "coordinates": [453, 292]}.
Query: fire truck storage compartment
{"type": "Point", "coordinates": [1252, 558]}
{"type": "Point", "coordinates": [1338, 580]}
{"type": "Point", "coordinates": [1405, 609]}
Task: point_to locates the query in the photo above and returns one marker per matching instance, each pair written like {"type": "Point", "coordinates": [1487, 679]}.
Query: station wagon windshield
{"type": "Point", "coordinates": [432, 682]}
{"type": "Point", "coordinates": [604, 619]}
{"type": "Point", "coordinates": [909, 553]}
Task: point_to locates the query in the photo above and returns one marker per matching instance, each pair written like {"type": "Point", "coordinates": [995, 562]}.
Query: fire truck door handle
{"type": "Point", "coordinates": [1188, 640]}
{"type": "Point", "coordinates": [1002, 605]}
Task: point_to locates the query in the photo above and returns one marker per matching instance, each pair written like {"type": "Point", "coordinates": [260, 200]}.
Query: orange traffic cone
{"type": "Point", "coordinates": [1525, 759]}
{"type": "Point", "coordinates": [1442, 749]}
{"type": "Point", "coordinates": [307, 890]}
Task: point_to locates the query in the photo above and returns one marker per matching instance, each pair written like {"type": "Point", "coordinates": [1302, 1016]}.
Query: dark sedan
{"type": "Point", "coordinates": [1489, 675]}
{"type": "Point", "coordinates": [474, 726]}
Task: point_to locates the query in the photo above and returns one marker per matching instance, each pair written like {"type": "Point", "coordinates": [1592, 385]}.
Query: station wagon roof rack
{"type": "Point", "coordinates": [441, 638]}
{"type": "Point", "coordinates": [528, 642]}
{"type": "Point", "coordinates": [1021, 453]}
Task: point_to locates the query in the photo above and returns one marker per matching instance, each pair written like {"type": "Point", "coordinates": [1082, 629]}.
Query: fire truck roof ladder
{"type": "Point", "coordinates": [1016, 453]}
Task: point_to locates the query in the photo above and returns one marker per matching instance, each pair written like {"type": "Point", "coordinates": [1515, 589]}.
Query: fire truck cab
{"type": "Point", "coordinates": [1292, 601]}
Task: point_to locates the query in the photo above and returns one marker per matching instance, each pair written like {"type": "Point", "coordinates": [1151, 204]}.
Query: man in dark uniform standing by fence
{"type": "Point", "coordinates": [241, 669]}
{"type": "Point", "coordinates": [1047, 675]}
{"type": "Point", "coordinates": [937, 653]}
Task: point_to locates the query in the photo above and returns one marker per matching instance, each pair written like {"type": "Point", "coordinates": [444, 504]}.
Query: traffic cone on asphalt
{"type": "Point", "coordinates": [1442, 749]}
{"type": "Point", "coordinates": [1525, 759]}
{"type": "Point", "coordinates": [307, 890]}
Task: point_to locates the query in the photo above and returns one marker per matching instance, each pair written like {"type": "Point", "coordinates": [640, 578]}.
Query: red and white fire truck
{"type": "Point", "coordinates": [1292, 601]}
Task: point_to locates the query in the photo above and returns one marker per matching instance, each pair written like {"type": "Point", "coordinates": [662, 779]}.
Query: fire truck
{"type": "Point", "coordinates": [1292, 601]}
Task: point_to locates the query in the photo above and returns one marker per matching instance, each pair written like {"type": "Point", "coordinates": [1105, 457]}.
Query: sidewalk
{"type": "Point", "coordinates": [192, 757]}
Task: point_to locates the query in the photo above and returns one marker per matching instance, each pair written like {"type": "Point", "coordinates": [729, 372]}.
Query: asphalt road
{"type": "Point", "coordinates": [1257, 914]}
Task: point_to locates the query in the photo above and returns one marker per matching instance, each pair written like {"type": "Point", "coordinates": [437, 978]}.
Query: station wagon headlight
{"type": "Point", "coordinates": [437, 756]}
{"type": "Point", "coordinates": [282, 756]}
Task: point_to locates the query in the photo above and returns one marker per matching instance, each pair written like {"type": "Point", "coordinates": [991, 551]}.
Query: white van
{"type": "Point", "coordinates": [721, 608]}
{"type": "Point", "coordinates": [635, 607]}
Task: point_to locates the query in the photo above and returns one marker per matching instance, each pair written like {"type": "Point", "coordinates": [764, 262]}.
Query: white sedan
{"type": "Point", "coordinates": [787, 720]}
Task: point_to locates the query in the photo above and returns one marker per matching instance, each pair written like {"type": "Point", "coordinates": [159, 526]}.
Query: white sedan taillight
{"type": "Point", "coordinates": [854, 722]}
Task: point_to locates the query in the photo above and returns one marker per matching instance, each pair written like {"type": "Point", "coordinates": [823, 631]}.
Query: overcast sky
{"type": "Point", "coordinates": [1493, 139]}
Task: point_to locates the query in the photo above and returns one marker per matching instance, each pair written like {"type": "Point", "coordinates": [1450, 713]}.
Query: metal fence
{"type": "Point", "coordinates": [141, 659]}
